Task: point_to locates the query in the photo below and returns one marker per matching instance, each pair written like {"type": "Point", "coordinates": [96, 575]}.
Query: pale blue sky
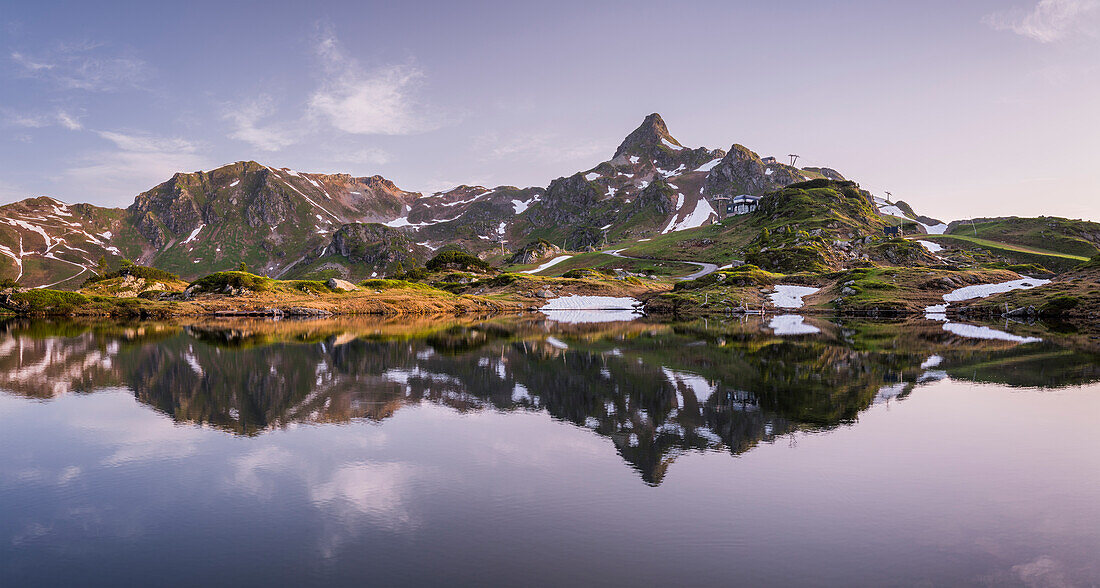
{"type": "Point", "coordinates": [960, 108]}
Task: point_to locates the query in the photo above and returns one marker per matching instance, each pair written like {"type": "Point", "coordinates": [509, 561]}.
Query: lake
{"type": "Point", "coordinates": [520, 451]}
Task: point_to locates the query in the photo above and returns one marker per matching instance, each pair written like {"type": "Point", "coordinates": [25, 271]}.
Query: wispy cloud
{"type": "Point", "coordinates": [378, 102]}
{"type": "Point", "coordinates": [11, 192]}
{"type": "Point", "coordinates": [86, 66]}
{"type": "Point", "coordinates": [1049, 20]}
{"type": "Point", "coordinates": [69, 121]}
{"type": "Point", "coordinates": [544, 146]}
{"type": "Point", "coordinates": [247, 126]}
{"type": "Point", "coordinates": [39, 120]}
{"type": "Point", "coordinates": [364, 156]}
{"type": "Point", "coordinates": [137, 162]}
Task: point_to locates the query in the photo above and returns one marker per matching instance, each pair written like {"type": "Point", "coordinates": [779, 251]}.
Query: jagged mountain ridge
{"type": "Point", "coordinates": [282, 222]}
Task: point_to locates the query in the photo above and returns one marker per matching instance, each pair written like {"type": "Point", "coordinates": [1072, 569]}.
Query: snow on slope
{"type": "Point", "coordinates": [548, 264]}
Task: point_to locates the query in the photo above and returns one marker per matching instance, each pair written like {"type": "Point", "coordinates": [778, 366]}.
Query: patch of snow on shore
{"type": "Point", "coordinates": [787, 296]}
{"type": "Point", "coordinates": [987, 290]}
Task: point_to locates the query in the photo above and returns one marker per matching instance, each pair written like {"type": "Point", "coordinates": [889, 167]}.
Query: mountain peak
{"type": "Point", "coordinates": [652, 131]}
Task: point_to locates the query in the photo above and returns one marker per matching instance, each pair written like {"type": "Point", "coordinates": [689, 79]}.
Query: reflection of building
{"type": "Point", "coordinates": [742, 204]}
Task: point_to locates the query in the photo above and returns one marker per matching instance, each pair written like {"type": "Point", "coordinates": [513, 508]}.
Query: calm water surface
{"type": "Point", "coordinates": [525, 452]}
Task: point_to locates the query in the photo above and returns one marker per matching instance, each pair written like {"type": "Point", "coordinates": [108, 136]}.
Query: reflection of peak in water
{"type": "Point", "coordinates": [654, 391]}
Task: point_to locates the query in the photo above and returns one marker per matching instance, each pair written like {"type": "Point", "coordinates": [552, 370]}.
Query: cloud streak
{"type": "Point", "coordinates": [138, 162]}
{"type": "Point", "coordinates": [379, 102]}
{"type": "Point", "coordinates": [83, 67]}
{"type": "Point", "coordinates": [248, 128]}
{"type": "Point", "coordinates": [1048, 21]}
{"type": "Point", "coordinates": [38, 121]}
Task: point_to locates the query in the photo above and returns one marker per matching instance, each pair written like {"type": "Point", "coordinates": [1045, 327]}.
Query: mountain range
{"type": "Point", "coordinates": [285, 223]}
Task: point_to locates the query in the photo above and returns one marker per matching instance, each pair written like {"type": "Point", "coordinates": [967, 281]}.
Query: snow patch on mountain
{"type": "Point", "coordinates": [698, 217]}
{"type": "Point", "coordinates": [193, 234]}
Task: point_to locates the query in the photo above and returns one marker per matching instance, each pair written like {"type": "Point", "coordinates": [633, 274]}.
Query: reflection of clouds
{"type": "Point", "coordinates": [39, 475]}
{"type": "Point", "coordinates": [1044, 571]}
{"type": "Point", "coordinates": [350, 494]}
{"type": "Point", "coordinates": [136, 435]}
{"type": "Point", "coordinates": [371, 489]}
{"type": "Point", "coordinates": [249, 469]}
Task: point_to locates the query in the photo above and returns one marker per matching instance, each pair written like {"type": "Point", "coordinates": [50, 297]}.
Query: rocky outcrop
{"type": "Point", "coordinates": [268, 208]}
{"type": "Point", "coordinates": [535, 252]}
{"type": "Point", "coordinates": [742, 171]}
{"type": "Point", "coordinates": [169, 205]}
{"type": "Point", "coordinates": [341, 285]}
{"type": "Point", "coordinates": [567, 202]}
{"type": "Point", "coordinates": [375, 245]}
{"type": "Point", "coordinates": [825, 172]}
{"type": "Point", "coordinates": [651, 142]}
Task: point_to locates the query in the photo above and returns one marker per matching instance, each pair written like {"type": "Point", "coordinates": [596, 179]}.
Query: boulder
{"type": "Point", "coordinates": [341, 285]}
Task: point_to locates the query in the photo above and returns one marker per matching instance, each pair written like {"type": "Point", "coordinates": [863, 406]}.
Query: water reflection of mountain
{"type": "Point", "coordinates": [654, 391]}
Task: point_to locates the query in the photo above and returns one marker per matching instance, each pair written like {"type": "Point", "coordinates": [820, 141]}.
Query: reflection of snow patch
{"type": "Point", "coordinates": [888, 392]}
{"type": "Point", "coordinates": [699, 386]}
{"type": "Point", "coordinates": [931, 362]}
{"type": "Point", "coordinates": [590, 309]}
{"type": "Point", "coordinates": [520, 393]}
{"type": "Point", "coordinates": [791, 324]}
{"type": "Point", "coordinates": [557, 343]}
{"type": "Point", "coordinates": [977, 332]}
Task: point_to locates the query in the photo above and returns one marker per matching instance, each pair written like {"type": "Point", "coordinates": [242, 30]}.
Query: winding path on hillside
{"type": "Point", "coordinates": [705, 268]}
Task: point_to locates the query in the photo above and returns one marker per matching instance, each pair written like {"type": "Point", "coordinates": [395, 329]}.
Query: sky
{"type": "Point", "coordinates": [961, 108]}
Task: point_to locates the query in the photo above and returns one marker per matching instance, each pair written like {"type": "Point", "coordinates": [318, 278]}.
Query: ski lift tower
{"type": "Point", "coordinates": [794, 158]}
{"type": "Point", "coordinates": [723, 206]}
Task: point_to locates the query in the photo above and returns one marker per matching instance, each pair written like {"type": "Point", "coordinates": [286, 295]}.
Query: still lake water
{"type": "Point", "coordinates": [526, 452]}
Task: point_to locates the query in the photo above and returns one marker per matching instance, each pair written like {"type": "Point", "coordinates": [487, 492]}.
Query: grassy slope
{"type": "Point", "coordinates": [1060, 235]}
{"type": "Point", "coordinates": [597, 260]}
{"type": "Point", "coordinates": [1003, 246]}
{"type": "Point", "coordinates": [1051, 260]}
